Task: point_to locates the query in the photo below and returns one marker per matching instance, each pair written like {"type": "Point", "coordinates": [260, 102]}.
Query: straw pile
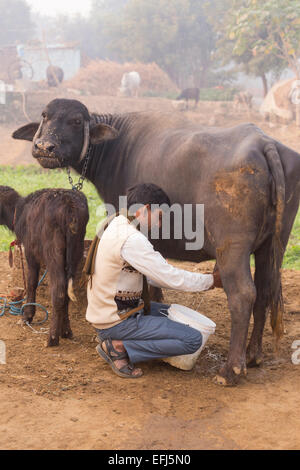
{"type": "Point", "coordinates": [102, 77]}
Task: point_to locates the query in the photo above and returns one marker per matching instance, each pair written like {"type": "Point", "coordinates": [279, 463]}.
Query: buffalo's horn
{"type": "Point", "coordinates": [86, 141]}
{"type": "Point", "coordinates": [38, 132]}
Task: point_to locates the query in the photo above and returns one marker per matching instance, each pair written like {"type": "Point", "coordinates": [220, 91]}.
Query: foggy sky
{"type": "Point", "coordinates": [54, 7]}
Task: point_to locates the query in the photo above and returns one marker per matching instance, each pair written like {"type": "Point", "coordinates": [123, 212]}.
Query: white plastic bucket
{"type": "Point", "coordinates": [196, 320]}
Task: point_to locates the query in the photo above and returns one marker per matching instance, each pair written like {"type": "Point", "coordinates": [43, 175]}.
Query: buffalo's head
{"type": "Point", "coordinates": [63, 136]}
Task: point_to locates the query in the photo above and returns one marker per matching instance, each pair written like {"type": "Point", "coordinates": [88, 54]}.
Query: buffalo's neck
{"type": "Point", "coordinates": [108, 162]}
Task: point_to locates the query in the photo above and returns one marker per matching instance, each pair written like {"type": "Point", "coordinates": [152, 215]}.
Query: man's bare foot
{"type": "Point", "coordinates": [119, 347]}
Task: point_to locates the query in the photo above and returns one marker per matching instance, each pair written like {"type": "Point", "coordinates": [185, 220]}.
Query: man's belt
{"type": "Point", "coordinates": [123, 314]}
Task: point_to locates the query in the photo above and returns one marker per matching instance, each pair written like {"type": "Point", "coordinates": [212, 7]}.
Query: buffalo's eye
{"type": "Point", "coordinates": [44, 115]}
{"type": "Point", "coordinates": [76, 122]}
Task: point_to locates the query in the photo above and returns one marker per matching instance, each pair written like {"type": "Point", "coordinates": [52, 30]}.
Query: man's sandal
{"type": "Point", "coordinates": [127, 370]}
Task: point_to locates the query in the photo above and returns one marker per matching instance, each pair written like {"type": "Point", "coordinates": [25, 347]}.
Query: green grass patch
{"type": "Point", "coordinates": [292, 254]}
{"type": "Point", "coordinates": [26, 179]}
{"type": "Point", "coordinates": [217, 94]}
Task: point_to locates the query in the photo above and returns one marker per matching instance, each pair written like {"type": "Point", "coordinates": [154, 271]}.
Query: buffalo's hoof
{"type": "Point", "coordinates": [53, 341]}
{"type": "Point", "coordinates": [219, 380]}
{"type": "Point", "coordinates": [254, 361]}
{"type": "Point", "coordinates": [229, 376]}
{"type": "Point", "coordinates": [254, 357]}
{"type": "Point", "coordinates": [67, 334]}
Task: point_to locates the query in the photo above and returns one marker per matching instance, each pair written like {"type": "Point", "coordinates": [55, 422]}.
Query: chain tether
{"type": "Point", "coordinates": [79, 185]}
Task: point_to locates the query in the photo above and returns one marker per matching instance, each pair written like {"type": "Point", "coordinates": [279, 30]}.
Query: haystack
{"type": "Point", "coordinates": [101, 77]}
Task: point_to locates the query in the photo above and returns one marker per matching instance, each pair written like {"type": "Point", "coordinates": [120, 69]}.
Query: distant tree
{"type": "Point", "coordinates": [261, 36]}
{"type": "Point", "coordinates": [174, 34]}
{"type": "Point", "coordinates": [78, 29]}
{"type": "Point", "coordinates": [104, 16]}
{"type": "Point", "coordinates": [15, 22]}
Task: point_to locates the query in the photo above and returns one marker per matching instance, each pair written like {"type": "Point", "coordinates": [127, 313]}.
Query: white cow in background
{"type": "Point", "coordinates": [280, 101]}
{"type": "Point", "coordinates": [130, 84]}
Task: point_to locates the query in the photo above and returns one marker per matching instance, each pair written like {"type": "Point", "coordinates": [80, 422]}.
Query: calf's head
{"type": "Point", "coordinates": [64, 134]}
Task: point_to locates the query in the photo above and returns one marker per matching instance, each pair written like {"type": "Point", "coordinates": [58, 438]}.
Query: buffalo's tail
{"type": "Point", "coordinates": [74, 250]}
{"type": "Point", "coordinates": [277, 250]}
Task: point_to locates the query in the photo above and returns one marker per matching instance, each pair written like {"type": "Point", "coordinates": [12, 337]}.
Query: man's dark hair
{"type": "Point", "coordinates": [146, 194]}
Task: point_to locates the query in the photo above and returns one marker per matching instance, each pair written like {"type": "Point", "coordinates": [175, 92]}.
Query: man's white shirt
{"type": "Point", "coordinates": [138, 252]}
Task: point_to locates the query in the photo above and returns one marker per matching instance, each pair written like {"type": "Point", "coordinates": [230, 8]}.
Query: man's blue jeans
{"type": "Point", "coordinates": [153, 336]}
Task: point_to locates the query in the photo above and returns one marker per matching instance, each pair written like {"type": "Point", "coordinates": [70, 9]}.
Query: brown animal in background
{"type": "Point", "coordinates": [51, 224]}
{"type": "Point", "coordinates": [243, 99]}
{"type": "Point", "coordinates": [55, 75]}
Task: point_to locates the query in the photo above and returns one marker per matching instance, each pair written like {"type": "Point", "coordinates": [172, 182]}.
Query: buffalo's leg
{"type": "Point", "coordinates": [240, 289]}
{"type": "Point", "coordinates": [32, 283]}
{"type": "Point", "coordinates": [156, 294]}
{"type": "Point", "coordinates": [262, 279]}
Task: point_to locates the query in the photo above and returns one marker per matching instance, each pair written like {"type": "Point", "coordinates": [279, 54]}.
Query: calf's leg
{"type": "Point", "coordinates": [66, 331]}
{"type": "Point", "coordinates": [32, 282]}
{"type": "Point", "coordinates": [59, 301]}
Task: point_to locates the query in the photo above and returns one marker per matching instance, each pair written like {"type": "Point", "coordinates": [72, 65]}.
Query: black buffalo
{"type": "Point", "coordinates": [248, 182]}
{"type": "Point", "coordinates": [189, 94]}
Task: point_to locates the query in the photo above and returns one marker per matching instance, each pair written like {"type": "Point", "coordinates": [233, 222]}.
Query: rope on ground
{"type": "Point", "coordinates": [17, 308]}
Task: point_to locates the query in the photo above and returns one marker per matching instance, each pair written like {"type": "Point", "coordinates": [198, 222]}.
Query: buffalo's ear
{"type": "Point", "coordinates": [26, 132]}
{"type": "Point", "coordinates": [102, 132]}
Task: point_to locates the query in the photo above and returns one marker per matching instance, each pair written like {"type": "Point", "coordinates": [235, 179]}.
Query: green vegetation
{"type": "Point", "coordinates": [292, 256]}
{"type": "Point", "coordinates": [259, 36]}
{"type": "Point", "coordinates": [26, 179]}
{"type": "Point", "coordinates": [217, 94]}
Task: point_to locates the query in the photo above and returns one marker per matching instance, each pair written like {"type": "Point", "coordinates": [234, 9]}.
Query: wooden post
{"type": "Point", "coordinates": [49, 60]}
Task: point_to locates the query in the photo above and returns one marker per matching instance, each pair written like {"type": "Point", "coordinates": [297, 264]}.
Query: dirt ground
{"type": "Point", "coordinates": [67, 398]}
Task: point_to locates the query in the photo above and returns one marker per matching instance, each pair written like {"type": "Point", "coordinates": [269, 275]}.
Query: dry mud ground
{"type": "Point", "coordinates": [68, 398]}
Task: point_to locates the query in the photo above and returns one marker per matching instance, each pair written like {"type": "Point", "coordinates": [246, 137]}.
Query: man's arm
{"type": "Point", "coordinates": [140, 254]}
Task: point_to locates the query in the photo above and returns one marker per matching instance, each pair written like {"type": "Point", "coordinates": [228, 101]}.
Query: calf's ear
{"type": "Point", "coordinates": [101, 132]}
{"type": "Point", "coordinates": [26, 132]}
